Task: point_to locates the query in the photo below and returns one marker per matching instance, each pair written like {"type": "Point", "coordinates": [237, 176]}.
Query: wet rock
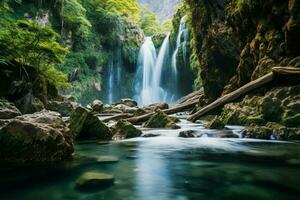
{"type": "Point", "coordinates": [97, 106]}
{"type": "Point", "coordinates": [86, 125]}
{"type": "Point", "coordinates": [37, 137]}
{"type": "Point", "coordinates": [216, 123]}
{"type": "Point", "coordinates": [65, 108]}
{"type": "Point", "coordinates": [188, 134]}
{"type": "Point", "coordinates": [94, 180]}
{"type": "Point", "coordinates": [281, 132]}
{"type": "Point", "coordinates": [107, 159]}
{"type": "Point", "coordinates": [125, 130]}
{"type": "Point", "coordinates": [129, 102]}
{"type": "Point", "coordinates": [8, 110]}
{"type": "Point", "coordinates": [228, 134]}
{"type": "Point", "coordinates": [149, 135]}
{"type": "Point", "coordinates": [161, 120]}
{"type": "Point", "coordinates": [257, 132]}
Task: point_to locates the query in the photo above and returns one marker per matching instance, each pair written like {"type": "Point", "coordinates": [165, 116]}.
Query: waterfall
{"type": "Point", "coordinates": [181, 40]}
{"type": "Point", "coordinates": [158, 91]}
{"type": "Point", "coordinates": [143, 78]}
{"type": "Point", "coordinates": [114, 72]}
{"type": "Point", "coordinates": [148, 88]}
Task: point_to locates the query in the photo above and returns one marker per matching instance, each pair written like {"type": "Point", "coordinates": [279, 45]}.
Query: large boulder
{"type": "Point", "coordinates": [125, 130]}
{"type": "Point", "coordinates": [65, 108]}
{"type": "Point", "coordinates": [126, 109]}
{"type": "Point", "coordinates": [38, 137]}
{"type": "Point", "coordinates": [216, 123]}
{"type": "Point", "coordinates": [86, 125]}
{"type": "Point", "coordinates": [161, 120]}
{"type": "Point", "coordinates": [8, 110]}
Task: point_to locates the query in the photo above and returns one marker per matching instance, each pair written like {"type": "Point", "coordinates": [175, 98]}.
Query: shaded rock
{"type": "Point", "coordinates": [65, 108]}
{"type": "Point", "coordinates": [97, 106]}
{"type": "Point", "coordinates": [125, 130]}
{"type": "Point", "coordinates": [161, 120]}
{"type": "Point", "coordinates": [8, 110]}
{"type": "Point", "coordinates": [94, 180]}
{"type": "Point", "coordinates": [85, 125]}
{"type": "Point", "coordinates": [129, 102]}
{"type": "Point", "coordinates": [108, 159]}
{"type": "Point", "coordinates": [37, 137]}
{"type": "Point", "coordinates": [281, 132]}
{"type": "Point", "coordinates": [228, 134]}
{"type": "Point", "coordinates": [216, 123]}
{"type": "Point", "coordinates": [188, 134]}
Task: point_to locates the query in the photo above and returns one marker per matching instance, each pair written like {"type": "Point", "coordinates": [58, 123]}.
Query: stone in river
{"type": "Point", "coordinates": [108, 159]}
{"type": "Point", "coordinates": [94, 180]}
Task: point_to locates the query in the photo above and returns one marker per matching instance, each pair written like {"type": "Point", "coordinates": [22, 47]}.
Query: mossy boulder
{"type": "Point", "coordinates": [188, 134]}
{"type": "Point", "coordinates": [257, 132]}
{"type": "Point", "coordinates": [38, 137]}
{"type": "Point", "coordinates": [86, 125]}
{"type": "Point", "coordinates": [94, 180]}
{"type": "Point", "coordinates": [271, 109]}
{"type": "Point", "coordinates": [281, 132]}
{"type": "Point", "coordinates": [8, 110]}
{"type": "Point", "coordinates": [216, 123]}
{"type": "Point", "coordinates": [125, 130]}
{"type": "Point", "coordinates": [161, 120]}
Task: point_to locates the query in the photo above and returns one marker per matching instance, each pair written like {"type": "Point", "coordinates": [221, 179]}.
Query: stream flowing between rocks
{"type": "Point", "coordinates": [167, 167]}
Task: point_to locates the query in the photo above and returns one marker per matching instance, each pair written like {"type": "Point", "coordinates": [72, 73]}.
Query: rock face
{"type": "Point", "coordinates": [8, 110]}
{"type": "Point", "coordinates": [239, 41]}
{"type": "Point", "coordinates": [125, 130]}
{"type": "Point", "coordinates": [94, 180]}
{"type": "Point", "coordinates": [37, 137]}
{"type": "Point", "coordinates": [86, 125]}
{"type": "Point", "coordinates": [161, 120]}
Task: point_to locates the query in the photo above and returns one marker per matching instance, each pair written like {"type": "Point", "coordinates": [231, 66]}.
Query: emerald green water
{"type": "Point", "coordinates": [168, 167]}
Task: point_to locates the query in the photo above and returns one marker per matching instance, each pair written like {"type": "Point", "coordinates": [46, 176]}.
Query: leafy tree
{"type": "Point", "coordinates": [35, 46]}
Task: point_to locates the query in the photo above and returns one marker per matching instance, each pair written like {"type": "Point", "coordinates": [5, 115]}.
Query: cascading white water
{"type": "Point", "coordinates": [158, 91]}
{"type": "Point", "coordinates": [182, 39]}
{"type": "Point", "coordinates": [143, 78]}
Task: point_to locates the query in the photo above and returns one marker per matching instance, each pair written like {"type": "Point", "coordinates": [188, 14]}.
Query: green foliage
{"type": "Point", "coordinates": [35, 46]}
{"type": "Point", "coordinates": [150, 24]}
{"type": "Point", "coordinates": [242, 3]}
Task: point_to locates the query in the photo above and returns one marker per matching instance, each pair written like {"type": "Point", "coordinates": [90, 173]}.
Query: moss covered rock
{"type": "Point", "coordinates": [38, 137]}
{"type": "Point", "coordinates": [258, 132]}
{"type": "Point", "coordinates": [125, 130]}
{"type": "Point", "coordinates": [161, 120]}
{"type": "Point", "coordinates": [65, 108]}
{"type": "Point", "coordinates": [216, 123]}
{"type": "Point", "coordinates": [86, 125]}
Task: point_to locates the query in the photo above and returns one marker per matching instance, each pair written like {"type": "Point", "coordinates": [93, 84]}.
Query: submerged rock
{"type": "Point", "coordinates": [188, 134]}
{"type": "Point", "coordinates": [125, 130]}
{"type": "Point", "coordinates": [37, 137]}
{"type": "Point", "coordinates": [8, 110]}
{"type": "Point", "coordinates": [149, 135]}
{"type": "Point", "coordinates": [161, 120]}
{"type": "Point", "coordinates": [86, 125]}
{"type": "Point", "coordinates": [94, 180]}
{"type": "Point", "coordinates": [108, 159]}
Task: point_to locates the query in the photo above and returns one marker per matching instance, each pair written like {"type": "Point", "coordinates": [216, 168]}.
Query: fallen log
{"type": "Point", "coordinates": [276, 72]}
{"type": "Point", "coordinates": [117, 117]}
{"type": "Point", "coordinates": [232, 96]}
{"type": "Point", "coordinates": [193, 96]}
{"type": "Point", "coordinates": [173, 110]}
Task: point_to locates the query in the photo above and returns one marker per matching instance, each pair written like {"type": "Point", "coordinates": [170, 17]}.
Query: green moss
{"type": "Point", "coordinates": [293, 121]}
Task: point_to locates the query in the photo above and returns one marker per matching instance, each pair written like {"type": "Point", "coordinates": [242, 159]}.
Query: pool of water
{"type": "Point", "coordinates": [168, 167]}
